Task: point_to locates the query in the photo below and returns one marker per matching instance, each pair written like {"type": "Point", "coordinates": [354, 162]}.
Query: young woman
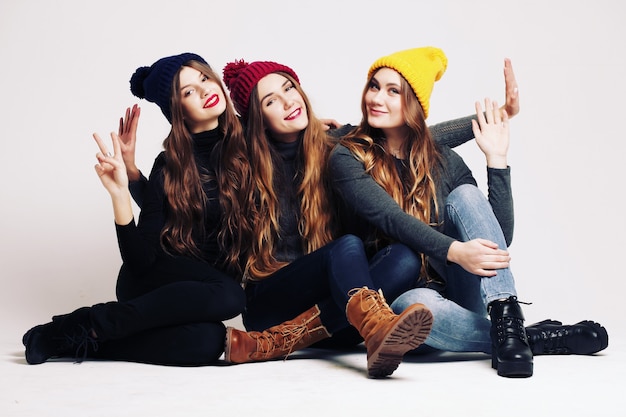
{"type": "Point", "coordinates": [292, 266]}
{"type": "Point", "coordinates": [391, 174]}
{"type": "Point", "coordinates": [172, 296]}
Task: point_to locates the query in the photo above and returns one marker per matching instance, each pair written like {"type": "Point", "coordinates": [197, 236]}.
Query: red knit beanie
{"type": "Point", "coordinates": [240, 77]}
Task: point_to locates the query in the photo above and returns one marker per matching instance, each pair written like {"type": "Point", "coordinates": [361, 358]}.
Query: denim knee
{"type": "Point", "coordinates": [468, 194]}
{"type": "Point", "coordinates": [426, 296]}
{"type": "Point", "coordinates": [395, 269]}
{"type": "Point", "coordinates": [404, 260]}
{"type": "Point", "coordinates": [348, 243]}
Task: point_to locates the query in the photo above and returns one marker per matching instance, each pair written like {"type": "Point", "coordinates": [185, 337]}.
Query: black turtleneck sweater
{"type": "Point", "coordinates": [289, 246]}
{"type": "Point", "coordinates": [140, 244]}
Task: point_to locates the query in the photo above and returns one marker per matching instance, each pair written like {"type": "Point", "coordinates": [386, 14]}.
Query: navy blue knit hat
{"type": "Point", "coordinates": [154, 83]}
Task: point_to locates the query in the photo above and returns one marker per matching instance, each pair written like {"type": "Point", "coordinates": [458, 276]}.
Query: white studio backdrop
{"type": "Point", "coordinates": [65, 71]}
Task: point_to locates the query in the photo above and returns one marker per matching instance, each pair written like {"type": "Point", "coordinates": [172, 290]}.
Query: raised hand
{"type": "Point", "coordinates": [112, 173]}
{"type": "Point", "coordinates": [511, 90]}
{"type": "Point", "coordinates": [127, 133]}
{"type": "Point", "coordinates": [492, 133]}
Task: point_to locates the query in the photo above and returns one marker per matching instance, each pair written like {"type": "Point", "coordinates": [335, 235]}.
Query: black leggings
{"type": "Point", "coordinates": [192, 344]}
{"type": "Point", "coordinates": [175, 318]}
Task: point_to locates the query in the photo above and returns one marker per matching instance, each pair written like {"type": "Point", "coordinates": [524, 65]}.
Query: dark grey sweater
{"type": "Point", "coordinates": [368, 201]}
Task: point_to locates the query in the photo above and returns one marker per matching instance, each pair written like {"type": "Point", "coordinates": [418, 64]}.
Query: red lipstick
{"type": "Point", "coordinates": [211, 101]}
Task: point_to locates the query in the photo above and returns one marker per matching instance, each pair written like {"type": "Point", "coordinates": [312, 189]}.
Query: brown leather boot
{"type": "Point", "coordinates": [387, 336]}
{"type": "Point", "coordinates": [277, 341]}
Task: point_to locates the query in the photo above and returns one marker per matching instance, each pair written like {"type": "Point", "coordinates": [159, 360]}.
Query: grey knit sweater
{"type": "Point", "coordinates": [364, 199]}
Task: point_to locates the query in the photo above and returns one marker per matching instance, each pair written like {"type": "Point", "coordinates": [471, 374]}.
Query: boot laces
{"type": "Point", "coordinates": [84, 343]}
{"type": "Point", "coordinates": [554, 340]}
{"type": "Point", "coordinates": [510, 327]}
{"type": "Point", "coordinates": [283, 339]}
{"type": "Point", "coordinates": [374, 302]}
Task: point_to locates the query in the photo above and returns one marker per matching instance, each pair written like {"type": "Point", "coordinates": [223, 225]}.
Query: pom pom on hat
{"type": "Point", "coordinates": [241, 77]}
{"type": "Point", "coordinates": [421, 67]}
{"type": "Point", "coordinates": [136, 81]}
{"type": "Point", "coordinates": [154, 83]}
{"type": "Point", "coordinates": [231, 71]}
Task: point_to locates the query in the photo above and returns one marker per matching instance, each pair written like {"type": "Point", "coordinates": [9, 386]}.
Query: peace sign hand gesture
{"type": "Point", "coordinates": [112, 173]}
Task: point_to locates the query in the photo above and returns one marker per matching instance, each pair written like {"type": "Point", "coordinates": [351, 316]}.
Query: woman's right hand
{"type": "Point", "coordinates": [112, 173]}
{"type": "Point", "coordinates": [480, 257]}
{"type": "Point", "coordinates": [110, 167]}
{"type": "Point", "coordinates": [491, 133]}
{"type": "Point", "coordinates": [127, 133]}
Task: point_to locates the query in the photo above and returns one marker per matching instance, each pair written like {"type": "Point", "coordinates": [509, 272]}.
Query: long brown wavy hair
{"type": "Point", "coordinates": [416, 191]}
{"type": "Point", "coordinates": [262, 229]}
{"type": "Point", "coordinates": [182, 179]}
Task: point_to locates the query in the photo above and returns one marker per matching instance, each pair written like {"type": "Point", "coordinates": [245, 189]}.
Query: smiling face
{"type": "Point", "coordinates": [283, 107]}
{"type": "Point", "coordinates": [202, 100]}
{"type": "Point", "coordinates": [384, 103]}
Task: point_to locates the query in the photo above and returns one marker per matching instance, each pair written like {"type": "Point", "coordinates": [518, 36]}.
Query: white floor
{"type": "Point", "coordinates": [312, 383]}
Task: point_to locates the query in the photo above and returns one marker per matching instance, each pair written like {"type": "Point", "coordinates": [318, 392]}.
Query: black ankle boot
{"type": "Point", "coordinates": [67, 335]}
{"type": "Point", "coordinates": [554, 338]}
{"type": "Point", "coordinates": [510, 352]}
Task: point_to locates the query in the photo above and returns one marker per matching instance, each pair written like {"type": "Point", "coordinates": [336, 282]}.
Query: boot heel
{"type": "Point", "coordinates": [514, 369]}
{"type": "Point", "coordinates": [511, 369]}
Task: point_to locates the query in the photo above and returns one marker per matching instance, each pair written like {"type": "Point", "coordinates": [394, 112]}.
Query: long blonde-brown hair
{"type": "Point", "coordinates": [315, 223]}
{"type": "Point", "coordinates": [416, 191]}
{"type": "Point", "coordinates": [183, 182]}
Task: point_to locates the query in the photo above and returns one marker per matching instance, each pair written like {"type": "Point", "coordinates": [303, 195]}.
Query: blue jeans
{"type": "Point", "coordinates": [460, 318]}
{"type": "Point", "coordinates": [324, 277]}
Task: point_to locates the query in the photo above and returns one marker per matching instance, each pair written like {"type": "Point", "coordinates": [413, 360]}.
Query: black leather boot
{"type": "Point", "coordinates": [68, 335]}
{"type": "Point", "coordinates": [510, 352]}
{"type": "Point", "coordinates": [551, 337]}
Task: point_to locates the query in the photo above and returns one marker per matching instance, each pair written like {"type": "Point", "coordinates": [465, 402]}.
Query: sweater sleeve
{"type": "Point", "coordinates": [498, 183]}
{"type": "Point", "coordinates": [501, 200]}
{"type": "Point", "coordinates": [137, 188]}
{"type": "Point", "coordinates": [341, 131]}
{"type": "Point", "coordinates": [453, 132]}
{"type": "Point", "coordinates": [367, 199]}
{"type": "Point", "coordinates": [140, 243]}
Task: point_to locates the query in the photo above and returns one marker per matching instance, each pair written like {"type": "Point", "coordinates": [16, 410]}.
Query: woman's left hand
{"type": "Point", "coordinates": [492, 133]}
{"type": "Point", "coordinates": [330, 124]}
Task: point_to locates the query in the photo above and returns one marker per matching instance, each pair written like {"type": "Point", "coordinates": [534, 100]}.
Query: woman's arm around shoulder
{"type": "Point", "coordinates": [458, 131]}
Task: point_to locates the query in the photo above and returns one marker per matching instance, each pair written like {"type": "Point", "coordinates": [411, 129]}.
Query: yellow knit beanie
{"type": "Point", "coordinates": [421, 67]}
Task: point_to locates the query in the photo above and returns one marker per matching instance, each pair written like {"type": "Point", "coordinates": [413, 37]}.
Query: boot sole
{"type": "Point", "coordinates": [409, 331]}
{"type": "Point", "coordinates": [227, 357]}
{"type": "Point", "coordinates": [512, 369]}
